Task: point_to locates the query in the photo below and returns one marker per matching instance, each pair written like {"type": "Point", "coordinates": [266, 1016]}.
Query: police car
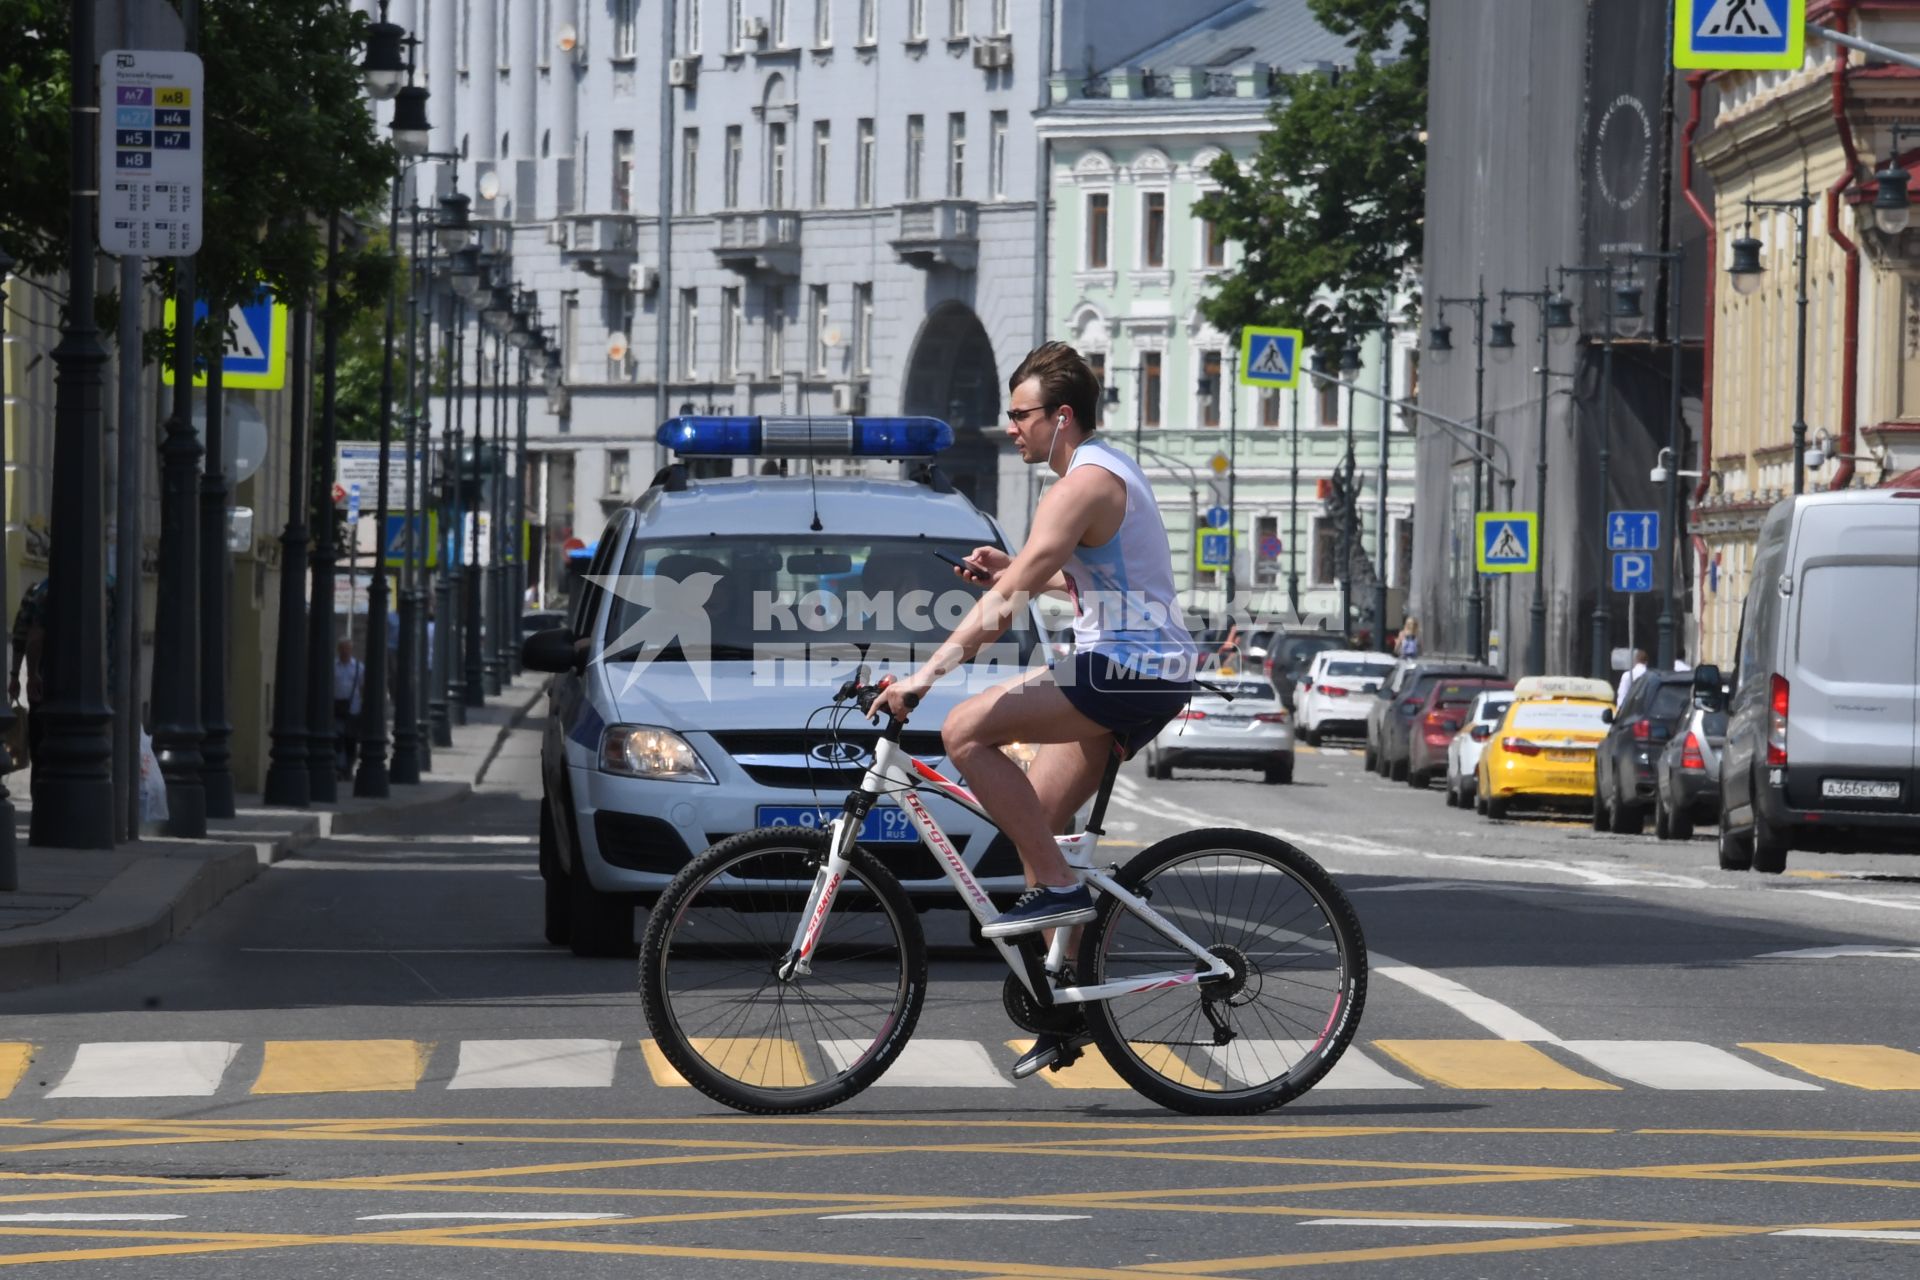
{"type": "Point", "coordinates": [713, 624]}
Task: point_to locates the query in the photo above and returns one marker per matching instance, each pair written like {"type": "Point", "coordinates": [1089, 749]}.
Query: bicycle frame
{"type": "Point", "coordinates": [889, 774]}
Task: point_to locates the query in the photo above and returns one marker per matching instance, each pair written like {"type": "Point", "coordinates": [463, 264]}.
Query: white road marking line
{"type": "Point", "coordinates": [319, 864]}
{"type": "Point", "coordinates": [1867, 951]}
{"type": "Point", "coordinates": [524, 842]}
{"type": "Point", "coordinates": [928, 1064]}
{"type": "Point", "coordinates": [1860, 899]}
{"type": "Point", "coordinates": [957, 1217]}
{"type": "Point", "coordinates": [1469, 886]}
{"type": "Point", "coordinates": [1502, 1224]}
{"type": "Point", "coordinates": [146, 1069]}
{"type": "Point", "coordinates": [1507, 1023]}
{"type": "Point", "coordinates": [1834, 1233]}
{"type": "Point", "coordinates": [486, 1217]}
{"type": "Point", "coordinates": [1680, 1064]}
{"type": "Point", "coordinates": [535, 1064]}
{"type": "Point", "coordinates": [402, 951]}
{"type": "Point", "coordinates": [1258, 1061]}
{"type": "Point", "coordinates": [91, 1217]}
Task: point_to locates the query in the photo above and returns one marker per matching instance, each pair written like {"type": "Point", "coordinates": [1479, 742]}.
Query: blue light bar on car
{"type": "Point", "coordinates": [710, 437]}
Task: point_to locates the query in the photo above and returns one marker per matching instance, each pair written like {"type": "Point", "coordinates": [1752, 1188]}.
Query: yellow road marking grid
{"type": "Point", "coordinates": [1321, 1194]}
{"type": "Point", "coordinates": [342, 1066]}
{"type": "Point", "coordinates": [1486, 1064]}
{"type": "Point", "coordinates": [1864, 1066]}
{"type": "Point", "coordinates": [14, 1058]}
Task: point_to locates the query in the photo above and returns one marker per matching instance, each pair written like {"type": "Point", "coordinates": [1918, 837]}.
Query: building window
{"type": "Point", "coordinates": [997, 157]}
{"type": "Point", "coordinates": [569, 335]}
{"type": "Point", "coordinates": [503, 44]}
{"type": "Point", "coordinates": [622, 170]}
{"type": "Point", "coordinates": [689, 170]}
{"type": "Point", "coordinates": [1000, 24]}
{"type": "Point", "coordinates": [1210, 388]}
{"type": "Point", "coordinates": [869, 22]}
{"type": "Point", "coordinates": [956, 154]}
{"type": "Point", "coordinates": [863, 328]}
{"type": "Point", "coordinates": [1270, 408]}
{"type": "Point", "coordinates": [956, 19]}
{"type": "Point", "coordinates": [1266, 539]}
{"type": "Point", "coordinates": [819, 323]}
{"type": "Point", "coordinates": [733, 26]}
{"type": "Point", "coordinates": [779, 24]}
{"type": "Point", "coordinates": [916, 20]}
{"type": "Point", "coordinates": [822, 136]}
{"type": "Point", "coordinates": [619, 466]}
{"type": "Point", "coordinates": [1326, 552]}
{"type": "Point", "coordinates": [732, 321]}
{"type": "Point", "coordinates": [735, 149]}
{"type": "Point", "coordinates": [777, 165]}
{"type": "Point", "coordinates": [623, 33]}
{"type": "Point", "coordinates": [693, 25]}
{"type": "Point", "coordinates": [1153, 229]}
{"type": "Point", "coordinates": [776, 353]}
{"type": "Point", "coordinates": [863, 167]}
{"type": "Point", "coordinates": [916, 153]}
{"type": "Point", "coordinates": [689, 325]}
{"type": "Point", "coordinates": [1329, 405]}
{"type": "Point", "coordinates": [822, 23]}
{"type": "Point", "coordinates": [1410, 378]}
{"type": "Point", "coordinates": [1150, 388]}
{"type": "Point", "coordinates": [1213, 243]}
{"type": "Point", "coordinates": [1403, 552]}
{"type": "Point", "coordinates": [1098, 210]}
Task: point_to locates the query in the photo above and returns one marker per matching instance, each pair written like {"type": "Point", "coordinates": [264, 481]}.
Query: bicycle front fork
{"type": "Point", "coordinates": [798, 962]}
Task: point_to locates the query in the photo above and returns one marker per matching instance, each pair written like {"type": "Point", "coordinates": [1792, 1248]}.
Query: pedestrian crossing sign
{"type": "Point", "coordinates": [1270, 357]}
{"type": "Point", "coordinates": [1507, 541]}
{"type": "Point", "coordinates": [1213, 550]}
{"type": "Point", "coordinates": [1740, 35]}
{"type": "Point", "coordinates": [256, 353]}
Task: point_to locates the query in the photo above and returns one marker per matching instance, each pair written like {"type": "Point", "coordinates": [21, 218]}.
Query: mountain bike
{"type": "Point", "coordinates": [783, 970]}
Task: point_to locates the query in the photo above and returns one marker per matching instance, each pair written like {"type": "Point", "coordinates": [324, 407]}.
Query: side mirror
{"type": "Point", "coordinates": [1606, 716]}
{"type": "Point", "coordinates": [553, 650]}
{"type": "Point", "coordinates": [1709, 690]}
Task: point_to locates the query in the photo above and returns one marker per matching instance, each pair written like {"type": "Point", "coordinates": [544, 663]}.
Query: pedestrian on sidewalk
{"type": "Point", "coordinates": [349, 674]}
{"type": "Point", "coordinates": [29, 641]}
{"type": "Point", "coordinates": [1627, 677]}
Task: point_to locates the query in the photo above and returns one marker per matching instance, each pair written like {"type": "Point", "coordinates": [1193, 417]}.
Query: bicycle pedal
{"type": "Point", "coordinates": [1068, 1055]}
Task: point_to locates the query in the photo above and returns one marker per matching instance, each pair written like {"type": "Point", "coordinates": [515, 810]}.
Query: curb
{"type": "Point", "coordinates": [171, 884]}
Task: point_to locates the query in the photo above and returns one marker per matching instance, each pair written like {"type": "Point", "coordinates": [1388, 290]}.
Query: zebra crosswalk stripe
{"type": "Point", "coordinates": [535, 1064]}
{"type": "Point", "coordinates": [147, 1069]}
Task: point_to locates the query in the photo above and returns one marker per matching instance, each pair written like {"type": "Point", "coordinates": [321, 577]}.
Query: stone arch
{"type": "Point", "coordinates": [951, 375]}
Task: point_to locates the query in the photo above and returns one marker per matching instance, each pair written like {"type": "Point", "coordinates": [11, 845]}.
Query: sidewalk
{"type": "Point", "coordinates": [79, 912]}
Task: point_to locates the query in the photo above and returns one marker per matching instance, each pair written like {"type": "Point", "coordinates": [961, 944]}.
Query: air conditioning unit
{"type": "Point", "coordinates": [753, 30]}
{"type": "Point", "coordinates": [642, 277]}
{"type": "Point", "coordinates": [993, 54]}
{"type": "Point", "coordinates": [683, 73]}
{"type": "Point", "coordinates": [557, 233]}
{"type": "Point", "coordinates": [846, 398]}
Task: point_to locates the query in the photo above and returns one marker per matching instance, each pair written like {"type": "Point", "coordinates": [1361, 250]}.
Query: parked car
{"type": "Point", "coordinates": [1290, 652]}
{"type": "Point", "coordinates": [1390, 719]}
{"type": "Point", "coordinates": [1250, 731]}
{"type": "Point", "coordinates": [1623, 784]}
{"type": "Point", "coordinates": [1489, 708]}
{"type": "Point", "coordinates": [1822, 723]}
{"type": "Point", "coordinates": [1336, 692]}
{"type": "Point", "coordinates": [1439, 718]}
{"type": "Point", "coordinates": [1542, 753]}
{"type": "Point", "coordinates": [1687, 778]}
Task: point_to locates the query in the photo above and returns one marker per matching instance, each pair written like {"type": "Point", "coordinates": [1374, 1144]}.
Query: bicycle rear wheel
{"type": "Point", "coordinates": [1250, 1042]}
{"type": "Point", "coordinates": [718, 1009]}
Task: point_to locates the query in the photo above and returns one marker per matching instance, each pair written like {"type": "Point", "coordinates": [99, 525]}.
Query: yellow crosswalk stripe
{"type": "Point", "coordinates": [342, 1066]}
{"type": "Point", "coordinates": [754, 1060]}
{"type": "Point", "coordinates": [1091, 1072]}
{"type": "Point", "coordinates": [1864, 1066]}
{"type": "Point", "coordinates": [659, 1068]}
{"type": "Point", "coordinates": [14, 1058]}
{"type": "Point", "coordinates": [1487, 1064]}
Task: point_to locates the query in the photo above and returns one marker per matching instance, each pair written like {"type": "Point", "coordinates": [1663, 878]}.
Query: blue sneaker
{"type": "Point", "coordinates": [1041, 908]}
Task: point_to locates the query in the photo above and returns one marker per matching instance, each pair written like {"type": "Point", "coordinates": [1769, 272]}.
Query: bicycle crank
{"type": "Point", "coordinates": [1029, 1016]}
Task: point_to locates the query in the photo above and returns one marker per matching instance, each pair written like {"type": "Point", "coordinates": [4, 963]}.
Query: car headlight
{"type": "Point", "coordinates": [1021, 753]}
{"type": "Point", "coordinates": [644, 751]}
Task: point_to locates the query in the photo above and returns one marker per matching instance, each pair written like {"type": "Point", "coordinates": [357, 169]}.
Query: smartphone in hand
{"type": "Point", "coordinates": [971, 571]}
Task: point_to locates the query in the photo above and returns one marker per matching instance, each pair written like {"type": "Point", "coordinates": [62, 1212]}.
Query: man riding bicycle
{"type": "Point", "coordinates": [1097, 538]}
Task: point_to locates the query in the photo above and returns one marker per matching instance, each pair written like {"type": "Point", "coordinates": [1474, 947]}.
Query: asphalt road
{"type": "Point", "coordinates": [1581, 1055]}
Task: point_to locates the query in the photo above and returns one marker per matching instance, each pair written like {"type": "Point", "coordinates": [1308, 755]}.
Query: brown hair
{"type": "Point", "coordinates": [1066, 379]}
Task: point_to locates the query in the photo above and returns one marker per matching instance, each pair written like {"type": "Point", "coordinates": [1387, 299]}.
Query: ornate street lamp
{"type": "Point", "coordinates": [383, 70]}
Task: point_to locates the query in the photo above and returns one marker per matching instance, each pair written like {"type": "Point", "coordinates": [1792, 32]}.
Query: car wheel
{"type": "Point", "coordinates": [1453, 794]}
{"type": "Point", "coordinates": [602, 922]}
{"type": "Point", "coordinates": [559, 924]}
{"type": "Point", "coordinates": [1312, 737]}
{"type": "Point", "coordinates": [1662, 824]}
{"type": "Point", "coordinates": [1373, 759]}
{"type": "Point", "coordinates": [1419, 779]}
{"type": "Point", "coordinates": [1770, 847]}
{"type": "Point", "coordinates": [1679, 824]}
{"type": "Point", "coordinates": [1627, 819]}
{"type": "Point", "coordinates": [1479, 804]}
{"type": "Point", "coordinates": [1160, 769]}
{"type": "Point", "coordinates": [1599, 810]}
{"type": "Point", "coordinates": [1736, 852]}
{"type": "Point", "coordinates": [1397, 771]}
{"type": "Point", "coordinates": [1280, 772]}
{"type": "Point", "coordinates": [1496, 807]}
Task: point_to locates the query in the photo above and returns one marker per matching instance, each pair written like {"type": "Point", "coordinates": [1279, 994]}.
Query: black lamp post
{"type": "Point", "coordinates": [1602, 618]}
{"type": "Point", "coordinates": [473, 682]}
{"type": "Point", "coordinates": [288, 782]}
{"type": "Point", "coordinates": [322, 764]}
{"type": "Point", "coordinates": [73, 803]}
{"type": "Point", "coordinates": [1350, 501]}
{"type": "Point", "coordinates": [9, 869]}
{"type": "Point", "coordinates": [453, 233]}
{"type": "Point", "coordinates": [1440, 347]}
{"type": "Point", "coordinates": [1746, 272]}
{"type": "Point", "coordinates": [1556, 323]}
{"type": "Point", "coordinates": [1629, 310]}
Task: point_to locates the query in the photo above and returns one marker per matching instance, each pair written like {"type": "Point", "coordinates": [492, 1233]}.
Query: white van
{"type": "Point", "coordinates": [1823, 736]}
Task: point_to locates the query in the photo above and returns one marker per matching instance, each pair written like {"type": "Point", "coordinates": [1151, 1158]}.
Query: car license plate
{"type": "Point", "coordinates": [1567, 757]}
{"type": "Point", "coordinates": [1858, 789]}
{"type": "Point", "coordinates": [884, 824]}
{"type": "Point", "coordinates": [1232, 720]}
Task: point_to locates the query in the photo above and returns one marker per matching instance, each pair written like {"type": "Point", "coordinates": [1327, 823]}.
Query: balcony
{"type": "Point", "coordinates": [938, 233]}
{"type": "Point", "coordinates": [765, 240]}
{"type": "Point", "coordinates": [600, 244]}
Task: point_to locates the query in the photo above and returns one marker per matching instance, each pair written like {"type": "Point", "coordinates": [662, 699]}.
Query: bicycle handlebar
{"type": "Point", "coordinates": [864, 694]}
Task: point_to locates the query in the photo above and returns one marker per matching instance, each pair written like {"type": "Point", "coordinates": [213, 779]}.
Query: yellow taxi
{"type": "Point", "coordinates": [1543, 750]}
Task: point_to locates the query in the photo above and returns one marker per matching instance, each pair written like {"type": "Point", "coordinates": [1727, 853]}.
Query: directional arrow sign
{"type": "Point", "coordinates": [1633, 530]}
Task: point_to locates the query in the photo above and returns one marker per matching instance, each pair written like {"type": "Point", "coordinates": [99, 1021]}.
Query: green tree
{"type": "Point", "coordinates": [1331, 207]}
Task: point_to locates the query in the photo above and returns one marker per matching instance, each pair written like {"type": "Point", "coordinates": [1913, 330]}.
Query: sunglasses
{"type": "Point", "coordinates": [1018, 416]}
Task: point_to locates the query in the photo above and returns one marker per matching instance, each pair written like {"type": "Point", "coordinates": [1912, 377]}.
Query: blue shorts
{"type": "Point", "coordinates": [1134, 706]}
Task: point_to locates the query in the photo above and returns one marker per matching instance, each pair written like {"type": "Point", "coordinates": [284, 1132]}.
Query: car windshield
{"type": "Point", "coordinates": [1494, 710]}
{"type": "Point", "coordinates": [742, 597]}
{"type": "Point", "coordinates": [1363, 670]}
{"type": "Point", "coordinates": [1300, 650]}
{"type": "Point", "coordinates": [1581, 716]}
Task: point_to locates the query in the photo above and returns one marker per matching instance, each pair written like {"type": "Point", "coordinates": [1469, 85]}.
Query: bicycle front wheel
{"type": "Point", "coordinates": [1266, 1034]}
{"type": "Point", "coordinates": [710, 981]}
